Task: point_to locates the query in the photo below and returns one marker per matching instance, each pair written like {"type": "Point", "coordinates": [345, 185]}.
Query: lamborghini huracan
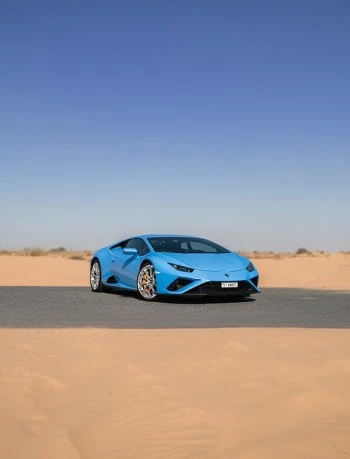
{"type": "Point", "coordinates": [156, 264]}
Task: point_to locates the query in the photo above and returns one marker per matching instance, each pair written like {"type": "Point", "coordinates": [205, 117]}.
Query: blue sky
{"type": "Point", "coordinates": [226, 119]}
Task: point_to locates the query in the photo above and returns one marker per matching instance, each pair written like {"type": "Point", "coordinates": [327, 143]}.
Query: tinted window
{"type": "Point", "coordinates": [139, 245]}
{"type": "Point", "coordinates": [185, 245]}
{"type": "Point", "coordinates": [120, 244]}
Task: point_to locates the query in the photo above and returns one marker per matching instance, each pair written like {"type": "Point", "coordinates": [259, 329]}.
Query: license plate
{"type": "Point", "coordinates": [229, 284]}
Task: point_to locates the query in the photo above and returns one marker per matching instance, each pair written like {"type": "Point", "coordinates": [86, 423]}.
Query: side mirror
{"type": "Point", "coordinates": [129, 251]}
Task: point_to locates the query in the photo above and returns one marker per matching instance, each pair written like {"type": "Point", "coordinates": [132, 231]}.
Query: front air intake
{"type": "Point", "coordinates": [255, 280]}
{"type": "Point", "coordinates": [178, 283]}
{"type": "Point", "coordinates": [215, 288]}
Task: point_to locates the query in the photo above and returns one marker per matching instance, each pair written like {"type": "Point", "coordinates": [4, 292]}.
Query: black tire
{"type": "Point", "coordinates": [146, 282]}
{"type": "Point", "coordinates": [95, 277]}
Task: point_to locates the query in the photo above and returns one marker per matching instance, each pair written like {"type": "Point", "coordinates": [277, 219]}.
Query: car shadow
{"type": "Point", "coordinates": [203, 300]}
{"type": "Point", "coordinates": [172, 299]}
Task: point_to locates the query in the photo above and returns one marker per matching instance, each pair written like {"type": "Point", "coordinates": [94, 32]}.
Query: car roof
{"type": "Point", "coordinates": [147, 236]}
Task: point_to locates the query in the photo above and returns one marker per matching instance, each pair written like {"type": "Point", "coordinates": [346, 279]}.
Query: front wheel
{"type": "Point", "coordinates": [146, 282]}
{"type": "Point", "coordinates": [95, 277]}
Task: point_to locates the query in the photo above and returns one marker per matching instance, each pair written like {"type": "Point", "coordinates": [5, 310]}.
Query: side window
{"type": "Point", "coordinates": [119, 245]}
{"type": "Point", "coordinates": [139, 245]}
{"type": "Point", "coordinates": [184, 246]}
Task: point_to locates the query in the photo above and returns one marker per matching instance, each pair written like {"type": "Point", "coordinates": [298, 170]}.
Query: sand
{"type": "Point", "coordinates": [326, 272]}
{"type": "Point", "coordinates": [224, 393]}
{"type": "Point", "coordinates": [330, 272]}
{"type": "Point", "coordinates": [43, 271]}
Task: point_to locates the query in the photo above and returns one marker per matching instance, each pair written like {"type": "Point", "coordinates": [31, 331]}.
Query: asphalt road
{"type": "Point", "coordinates": [65, 307]}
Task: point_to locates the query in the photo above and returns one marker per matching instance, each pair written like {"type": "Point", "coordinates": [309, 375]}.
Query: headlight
{"type": "Point", "coordinates": [250, 267]}
{"type": "Point", "coordinates": [181, 268]}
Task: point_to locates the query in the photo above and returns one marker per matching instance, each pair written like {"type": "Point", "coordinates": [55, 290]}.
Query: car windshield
{"type": "Point", "coordinates": [184, 244]}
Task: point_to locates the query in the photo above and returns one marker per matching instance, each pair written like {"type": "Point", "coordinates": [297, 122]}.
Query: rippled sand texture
{"type": "Point", "coordinates": [88, 394]}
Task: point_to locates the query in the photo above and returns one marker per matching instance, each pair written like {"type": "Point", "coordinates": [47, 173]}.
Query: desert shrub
{"type": "Point", "coordinates": [302, 251]}
{"type": "Point", "coordinates": [277, 256]}
{"type": "Point", "coordinates": [58, 249]}
{"type": "Point", "coordinates": [76, 256]}
{"type": "Point", "coordinates": [35, 252]}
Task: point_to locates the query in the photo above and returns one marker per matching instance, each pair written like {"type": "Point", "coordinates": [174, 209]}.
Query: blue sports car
{"type": "Point", "coordinates": [157, 264]}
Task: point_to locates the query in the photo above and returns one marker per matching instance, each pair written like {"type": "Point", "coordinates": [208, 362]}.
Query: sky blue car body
{"type": "Point", "coordinates": [120, 268]}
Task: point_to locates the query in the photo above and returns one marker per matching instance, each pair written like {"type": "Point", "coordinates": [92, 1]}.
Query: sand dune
{"type": "Point", "coordinates": [159, 394]}
{"type": "Point", "coordinates": [319, 272]}
{"type": "Point", "coordinates": [43, 271]}
{"type": "Point", "coordinates": [329, 272]}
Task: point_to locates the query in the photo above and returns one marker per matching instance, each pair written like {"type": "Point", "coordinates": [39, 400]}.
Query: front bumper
{"type": "Point", "coordinates": [204, 283]}
{"type": "Point", "coordinates": [214, 289]}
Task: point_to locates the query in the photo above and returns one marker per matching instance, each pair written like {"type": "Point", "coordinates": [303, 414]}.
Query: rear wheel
{"type": "Point", "coordinates": [95, 277]}
{"type": "Point", "coordinates": [146, 282]}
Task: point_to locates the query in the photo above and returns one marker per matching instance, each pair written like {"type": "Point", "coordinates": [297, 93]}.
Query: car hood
{"type": "Point", "coordinates": [207, 262]}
